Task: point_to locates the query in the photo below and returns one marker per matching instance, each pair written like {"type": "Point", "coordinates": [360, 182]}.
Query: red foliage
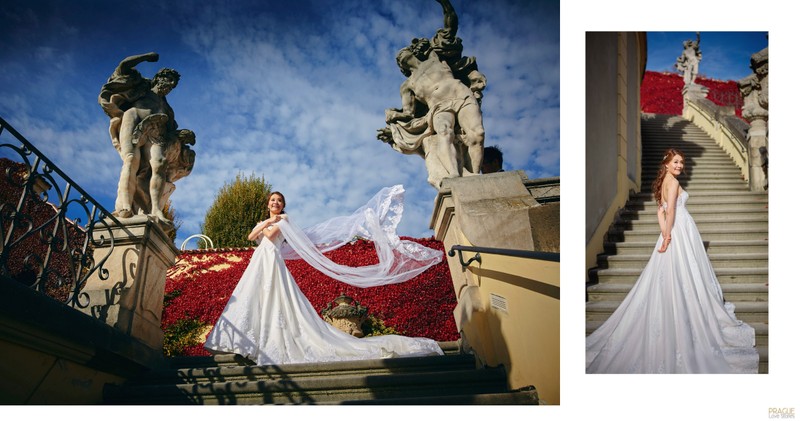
{"type": "Point", "coordinates": [36, 221]}
{"type": "Point", "coordinates": [202, 282]}
{"type": "Point", "coordinates": [661, 93]}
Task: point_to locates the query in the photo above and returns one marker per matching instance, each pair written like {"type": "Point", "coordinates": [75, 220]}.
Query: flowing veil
{"type": "Point", "coordinates": [399, 260]}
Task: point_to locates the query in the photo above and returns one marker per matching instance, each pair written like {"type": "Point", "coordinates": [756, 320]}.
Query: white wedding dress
{"type": "Point", "coordinates": [674, 319]}
{"type": "Point", "coordinates": [270, 321]}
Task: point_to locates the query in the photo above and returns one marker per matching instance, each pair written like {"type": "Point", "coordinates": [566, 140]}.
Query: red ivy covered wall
{"type": "Point", "coordinates": [661, 93]}
{"type": "Point", "coordinates": [36, 222]}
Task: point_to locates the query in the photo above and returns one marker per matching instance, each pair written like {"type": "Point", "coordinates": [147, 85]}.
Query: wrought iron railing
{"type": "Point", "coordinates": [45, 243]}
{"type": "Point", "coordinates": [525, 254]}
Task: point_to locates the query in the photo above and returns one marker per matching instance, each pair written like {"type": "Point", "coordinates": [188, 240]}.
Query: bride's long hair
{"type": "Point", "coordinates": [662, 172]}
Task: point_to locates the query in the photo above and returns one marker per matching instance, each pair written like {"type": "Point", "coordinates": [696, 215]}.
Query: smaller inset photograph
{"type": "Point", "coordinates": [677, 194]}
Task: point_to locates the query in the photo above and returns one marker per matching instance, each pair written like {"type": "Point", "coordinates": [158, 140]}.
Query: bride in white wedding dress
{"type": "Point", "coordinates": [270, 321]}
{"type": "Point", "coordinates": [674, 319]}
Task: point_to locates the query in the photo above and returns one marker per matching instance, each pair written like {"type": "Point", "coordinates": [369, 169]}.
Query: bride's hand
{"type": "Point", "coordinates": [665, 244]}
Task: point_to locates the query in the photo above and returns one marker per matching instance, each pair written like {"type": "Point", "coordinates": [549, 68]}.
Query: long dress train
{"type": "Point", "coordinates": [269, 320]}
{"type": "Point", "coordinates": [674, 319]}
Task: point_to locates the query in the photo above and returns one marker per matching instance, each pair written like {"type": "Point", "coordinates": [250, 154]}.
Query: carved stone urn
{"type": "Point", "coordinates": [346, 314]}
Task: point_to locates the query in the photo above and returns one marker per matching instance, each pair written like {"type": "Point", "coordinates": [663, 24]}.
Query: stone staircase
{"type": "Point", "coordinates": [233, 380]}
{"type": "Point", "coordinates": [732, 220]}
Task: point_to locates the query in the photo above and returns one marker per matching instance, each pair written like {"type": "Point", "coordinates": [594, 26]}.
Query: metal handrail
{"type": "Point", "coordinates": [40, 244]}
{"type": "Point", "coordinates": [525, 254]}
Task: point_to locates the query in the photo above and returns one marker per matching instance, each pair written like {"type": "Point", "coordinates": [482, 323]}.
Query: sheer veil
{"type": "Point", "coordinates": [399, 260]}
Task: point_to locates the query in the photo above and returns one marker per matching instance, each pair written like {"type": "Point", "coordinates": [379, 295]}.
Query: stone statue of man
{"type": "Point", "coordinates": [144, 131]}
{"type": "Point", "coordinates": [440, 118]}
{"type": "Point", "coordinates": [689, 61]}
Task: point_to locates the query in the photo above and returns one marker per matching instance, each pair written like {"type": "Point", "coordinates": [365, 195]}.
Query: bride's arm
{"type": "Point", "coordinates": [262, 228]}
{"type": "Point", "coordinates": [253, 236]}
{"type": "Point", "coordinates": [272, 230]}
{"type": "Point", "coordinates": [671, 199]}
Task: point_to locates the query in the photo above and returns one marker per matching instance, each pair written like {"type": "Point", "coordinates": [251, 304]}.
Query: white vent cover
{"type": "Point", "coordinates": [498, 302]}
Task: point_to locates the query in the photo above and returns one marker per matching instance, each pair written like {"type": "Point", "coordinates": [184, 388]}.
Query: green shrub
{"type": "Point", "coordinates": [374, 326]}
{"type": "Point", "coordinates": [238, 207]}
{"type": "Point", "coordinates": [182, 334]}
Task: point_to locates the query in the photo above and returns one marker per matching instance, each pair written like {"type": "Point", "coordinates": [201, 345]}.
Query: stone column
{"type": "Point", "coordinates": [127, 292]}
{"type": "Point", "coordinates": [755, 93]}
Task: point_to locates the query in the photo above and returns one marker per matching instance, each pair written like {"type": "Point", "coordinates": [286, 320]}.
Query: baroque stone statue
{"type": "Point", "coordinates": [154, 152]}
{"type": "Point", "coordinates": [689, 61]}
{"type": "Point", "coordinates": [440, 118]}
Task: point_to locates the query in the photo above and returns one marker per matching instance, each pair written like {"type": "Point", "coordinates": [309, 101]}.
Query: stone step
{"type": "Point", "coordinates": [763, 359]}
{"type": "Point", "coordinates": [690, 170]}
{"type": "Point", "coordinates": [715, 232]}
{"type": "Point", "coordinates": [704, 222]}
{"type": "Point", "coordinates": [712, 247]}
{"type": "Point", "coordinates": [733, 292]}
{"type": "Point", "coordinates": [205, 374]}
{"type": "Point", "coordinates": [717, 179]}
{"type": "Point", "coordinates": [703, 180]}
{"type": "Point", "coordinates": [718, 261]}
{"type": "Point", "coordinates": [686, 139]}
{"type": "Point", "coordinates": [690, 153]}
{"type": "Point", "coordinates": [692, 146]}
{"type": "Point", "coordinates": [227, 360]}
{"type": "Point", "coordinates": [701, 213]}
{"type": "Point", "coordinates": [695, 186]}
{"type": "Point", "coordinates": [695, 206]}
{"type": "Point", "coordinates": [453, 378]}
{"type": "Point", "coordinates": [313, 390]}
{"type": "Point", "coordinates": [692, 164]}
{"type": "Point", "coordinates": [522, 397]}
{"type": "Point", "coordinates": [715, 195]}
{"type": "Point", "coordinates": [762, 331]}
{"type": "Point", "coordinates": [724, 275]}
{"type": "Point", "coordinates": [746, 311]}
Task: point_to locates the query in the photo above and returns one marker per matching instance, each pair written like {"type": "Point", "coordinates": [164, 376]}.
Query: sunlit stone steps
{"type": "Point", "coordinates": [228, 379]}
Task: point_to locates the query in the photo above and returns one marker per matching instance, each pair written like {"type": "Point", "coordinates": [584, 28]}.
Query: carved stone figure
{"type": "Point", "coordinates": [689, 61]}
{"type": "Point", "coordinates": [755, 93]}
{"type": "Point", "coordinates": [143, 130]}
{"type": "Point", "coordinates": [346, 314]}
{"type": "Point", "coordinates": [440, 118]}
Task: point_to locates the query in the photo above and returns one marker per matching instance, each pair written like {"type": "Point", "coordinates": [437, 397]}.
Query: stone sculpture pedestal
{"type": "Point", "coordinates": [693, 91]}
{"type": "Point", "coordinates": [131, 297]}
{"type": "Point", "coordinates": [508, 306]}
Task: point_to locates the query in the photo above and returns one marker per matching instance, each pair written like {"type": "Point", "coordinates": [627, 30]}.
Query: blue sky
{"type": "Point", "coordinates": [726, 55]}
{"type": "Point", "coordinates": [291, 91]}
